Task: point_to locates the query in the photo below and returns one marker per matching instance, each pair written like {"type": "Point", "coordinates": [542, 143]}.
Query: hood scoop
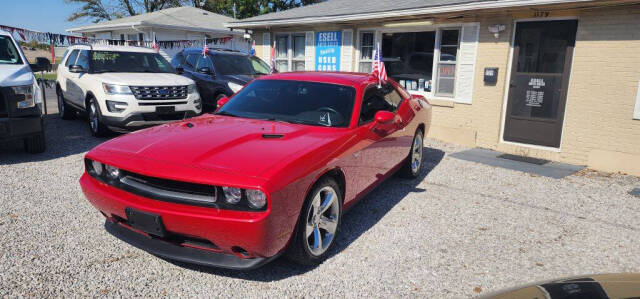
{"type": "Point", "coordinates": [272, 136]}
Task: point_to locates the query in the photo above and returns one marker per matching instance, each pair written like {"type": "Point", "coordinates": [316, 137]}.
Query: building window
{"type": "Point", "coordinates": [290, 52]}
{"type": "Point", "coordinates": [366, 51]}
{"type": "Point", "coordinates": [410, 58]}
{"type": "Point", "coordinates": [449, 44]}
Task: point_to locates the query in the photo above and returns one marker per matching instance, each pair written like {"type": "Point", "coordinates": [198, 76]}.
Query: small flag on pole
{"type": "Point", "coordinates": [378, 69]}
{"type": "Point", "coordinates": [155, 43]}
{"type": "Point", "coordinates": [205, 48]}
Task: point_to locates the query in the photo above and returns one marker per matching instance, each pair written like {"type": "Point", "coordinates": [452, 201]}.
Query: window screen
{"type": "Point", "coordinates": [366, 51]}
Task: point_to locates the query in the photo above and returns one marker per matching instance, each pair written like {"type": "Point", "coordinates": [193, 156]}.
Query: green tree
{"type": "Point", "coordinates": [101, 10]}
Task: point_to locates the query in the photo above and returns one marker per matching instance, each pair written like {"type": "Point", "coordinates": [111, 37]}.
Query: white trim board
{"type": "Point", "coordinates": [636, 111]}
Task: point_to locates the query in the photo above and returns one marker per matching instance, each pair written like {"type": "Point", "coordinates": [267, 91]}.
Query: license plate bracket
{"type": "Point", "coordinates": [146, 222]}
{"type": "Point", "coordinates": [165, 109]}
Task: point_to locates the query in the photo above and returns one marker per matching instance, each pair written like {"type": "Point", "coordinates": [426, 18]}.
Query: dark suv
{"type": "Point", "coordinates": [220, 73]}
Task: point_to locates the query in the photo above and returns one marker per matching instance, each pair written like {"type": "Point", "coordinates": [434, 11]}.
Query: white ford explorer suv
{"type": "Point", "coordinates": [123, 88]}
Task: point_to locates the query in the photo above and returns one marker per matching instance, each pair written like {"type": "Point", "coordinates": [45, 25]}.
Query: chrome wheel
{"type": "Point", "coordinates": [322, 220]}
{"type": "Point", "coordinates": [416, 154]}
{"type": "Point", "coordinates": [60, 105]}
{"type": "Point", "coordinates": [93, 117]}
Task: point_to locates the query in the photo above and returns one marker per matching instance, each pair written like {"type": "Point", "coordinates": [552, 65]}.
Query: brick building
{"type": "Point", "coordinates": [551, 79]}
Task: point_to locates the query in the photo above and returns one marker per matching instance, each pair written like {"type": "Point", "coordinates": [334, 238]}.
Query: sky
{"type": "Point", "coordinates": [38, 15]}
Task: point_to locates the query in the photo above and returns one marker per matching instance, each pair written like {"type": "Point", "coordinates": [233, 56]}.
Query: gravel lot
{"type": "Point", "coordinates": [461, 230]}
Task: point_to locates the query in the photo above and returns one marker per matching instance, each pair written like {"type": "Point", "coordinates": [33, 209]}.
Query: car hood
{"type": "Point", "coordinates": [15, 75]}
{"type": "Point", "coordinates": [240, 146]}
{"type": "Point", "coordinates": [143, 79]}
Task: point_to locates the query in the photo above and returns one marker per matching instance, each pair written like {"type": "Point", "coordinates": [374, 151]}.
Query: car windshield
{"type": "Point", "coordinates": [8, 52]}
{"type": "Point", "coordinates": [233, 64]}
{"type": "Point", "coordinates": [129, 62]}
{"type": "Point", "coordinates": [301, 102]}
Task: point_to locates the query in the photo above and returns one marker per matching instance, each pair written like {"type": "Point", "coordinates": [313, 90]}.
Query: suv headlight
{"type": "Point", "coordinates": [116, 89]}
{"type": "Point", "coordinates": [192, 88]}
{"type": "Point", "coordinates": [27, 92]}
{"type": "Point", "coordinates": [234, 87]}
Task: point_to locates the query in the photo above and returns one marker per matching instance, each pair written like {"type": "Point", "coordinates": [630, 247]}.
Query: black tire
{"type": "Point", "coordinates": [96, 126]}
{"type": "Point", "coordinates": [64, 110]}
{"type": "Point", "coordinates": [408, 170]}
{"type": "Point", "coordinates": [299, 249]}
{"type": "Point", "coordinates": [35, 144]}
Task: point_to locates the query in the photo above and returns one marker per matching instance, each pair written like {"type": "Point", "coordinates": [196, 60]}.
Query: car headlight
{"type": "Point", "coordinates": [232, 195]}
{"type": "Point", "coordinates": [112, 172]}
{"type": "Point", "coordinates": [257, 199]}
{"type": "Point", "coordinates": [191, 88]}
{"type": "Point", "coordinates": [116, 89]}
{"type": "Point", "coordinates": [96, 167]}
{"type": "Point", "coordinates": [25, 91]}
{"type": "Point", "coordinates": [235, 87]}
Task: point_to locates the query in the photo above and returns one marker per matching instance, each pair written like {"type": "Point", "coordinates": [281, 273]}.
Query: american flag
{"type": "Point", "coordinates": [378, 66]}
{"type": "Point", "coordinates": [205, 48]}
{"type": "Point", "coordinates": [155, 43]}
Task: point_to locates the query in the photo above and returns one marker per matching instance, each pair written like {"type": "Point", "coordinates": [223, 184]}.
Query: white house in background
{"type": "Point", "coordinates": [170, 26]}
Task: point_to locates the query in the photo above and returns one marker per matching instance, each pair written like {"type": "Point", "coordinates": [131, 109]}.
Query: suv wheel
{"type": "Point", "coordinates": [34, 144]}
{"type": "Point", "coordinates": [64, 111]}
{"type": "Point", "coordinates": [98, 129]}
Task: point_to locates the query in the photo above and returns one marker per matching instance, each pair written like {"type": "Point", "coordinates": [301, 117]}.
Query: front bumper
{"type": "Point", "coordinates": [141, 120]}
{"type": "Point", "coordinates": [17, 123]}
{"type": "Point", "coordinates": [20, 127]}
{"type": "Point", "coordinates": [176, 252]}
{"type": "Point", "coordinates": [257, 233]}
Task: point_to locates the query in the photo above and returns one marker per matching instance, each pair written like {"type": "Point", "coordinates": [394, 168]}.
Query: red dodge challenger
{"type": "Point", "coordinates": [270, 172]}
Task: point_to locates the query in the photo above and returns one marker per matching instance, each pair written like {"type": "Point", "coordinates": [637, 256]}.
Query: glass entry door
{"type": "Point", "coordinates": [539, 80]}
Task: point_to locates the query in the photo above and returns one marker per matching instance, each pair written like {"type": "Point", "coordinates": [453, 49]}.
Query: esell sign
{"type": "Point", "coordinates": [328, 38]}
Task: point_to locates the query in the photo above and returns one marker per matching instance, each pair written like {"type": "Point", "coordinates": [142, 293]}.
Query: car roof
{"type": "Point", "coordinates": [214, 50]}
{"type": "Point", "coordinates": [2, 32]}
{"type": "Point", "coordinates": [114, 48]}
{"type": "Point", "coordinates": [343, 78]}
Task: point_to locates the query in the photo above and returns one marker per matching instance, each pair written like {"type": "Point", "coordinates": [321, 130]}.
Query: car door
{"type": "Point", "coordinates": [82, 79]}
{"type": "Point", "coordinates": [381, 144]}
{"type": "Point", "coordinates": [204, 81]}
{"type": "Point", "coordinates": [68, 85]}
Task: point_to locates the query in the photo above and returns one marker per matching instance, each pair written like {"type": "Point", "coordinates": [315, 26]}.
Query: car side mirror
{"type": "Point", "coordinates": [204, 70]}
{"type": "Point", "coordinates": [42, 64]}
{"type": "Point", "coordinates": [74, 68]}
{"type": "Point", "coordinates": [222, 102]}
{"type": "Point", "coordinates": [179, 70]}
{"type": "Point", "coordinates": [383, 117]}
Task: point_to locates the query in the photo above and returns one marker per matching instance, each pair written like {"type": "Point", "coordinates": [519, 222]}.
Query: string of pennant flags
{"type": "Point", "coordinates": [44, 37]}
{"type": "Point", "coordinates": [67, 40]}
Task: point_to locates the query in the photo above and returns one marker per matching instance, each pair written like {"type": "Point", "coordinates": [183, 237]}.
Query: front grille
{"type": "Point", "coordinates": [160, 92]}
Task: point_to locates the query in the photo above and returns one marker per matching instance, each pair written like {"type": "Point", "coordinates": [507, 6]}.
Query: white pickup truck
{"type": "Point", "coordinates": [20, 96]}
{"type": "Point", "coordinates": [123, 88]}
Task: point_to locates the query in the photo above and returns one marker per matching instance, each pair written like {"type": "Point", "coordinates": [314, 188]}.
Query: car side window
{"type": "Point", "coordinates": [392, 96]}
{"type": "Point", "coordinates": [83, 59]}
{"type": "Point", "coordinates": [204, 62]}
{"type": "Point", "coordinates": [191, 60]}
{"type": "Point", "coordinates": [377, 99]}
{"type": "Point", "coordinates": [72, 58]}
